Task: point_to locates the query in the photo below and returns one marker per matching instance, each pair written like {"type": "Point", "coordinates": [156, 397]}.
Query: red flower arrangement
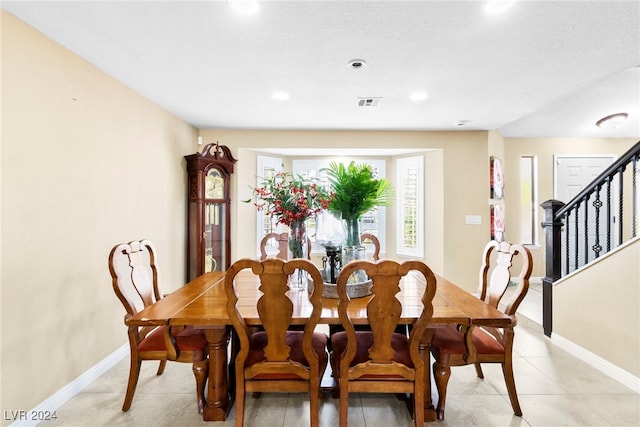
{"type": "Point", "coordinates": [290, 199]}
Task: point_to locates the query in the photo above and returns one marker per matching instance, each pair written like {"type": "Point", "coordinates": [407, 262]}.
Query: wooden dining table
{"type": "Point", "coordinates": [202, 304]}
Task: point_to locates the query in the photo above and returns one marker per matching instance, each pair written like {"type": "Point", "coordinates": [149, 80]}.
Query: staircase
{"type": "Point", "coordinates": [601, 218]}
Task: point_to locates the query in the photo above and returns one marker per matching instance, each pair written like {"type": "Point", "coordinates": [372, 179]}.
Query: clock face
{"type": "Point", "coordinates": [214, 185]}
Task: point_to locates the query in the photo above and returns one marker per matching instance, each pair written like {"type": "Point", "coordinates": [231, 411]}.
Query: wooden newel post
{"type": "Point", "coordinates": [553, 259]}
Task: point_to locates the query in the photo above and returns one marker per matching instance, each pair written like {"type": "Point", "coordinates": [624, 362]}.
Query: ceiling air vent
{"type": "Point", "coordinates": [368, 102]}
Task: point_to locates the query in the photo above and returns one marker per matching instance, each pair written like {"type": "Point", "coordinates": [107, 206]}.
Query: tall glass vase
{"type": "Point", "coordinates": [353, 232]}
{"type": "Point", "coordinates": [297, 246]}
{"type": "Point", "coordinates": [353, 250]}
{"type": "Point", "coordinates": [352, 253]}
{"type": "Point", "coordinates": [297, 240]}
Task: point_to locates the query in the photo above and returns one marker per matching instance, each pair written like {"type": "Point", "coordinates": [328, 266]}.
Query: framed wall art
{"type": "Point", "coordinates": [496, 178]}
{"type": "Point", "coordinates": [497, 222]}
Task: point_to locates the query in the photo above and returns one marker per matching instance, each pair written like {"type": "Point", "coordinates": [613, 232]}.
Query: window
{"type": "Point", "coordinates": [409, 192]}
{"type": "Point", "coordinates": [528, 202]}
{"type": "Point", "coordinates": [372, 222]}
{"type": "Point", "coordinates": [267, 167]}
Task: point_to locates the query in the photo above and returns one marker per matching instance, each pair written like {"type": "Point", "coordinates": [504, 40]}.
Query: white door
{"type": "Point", "coordinates": [573, 173]}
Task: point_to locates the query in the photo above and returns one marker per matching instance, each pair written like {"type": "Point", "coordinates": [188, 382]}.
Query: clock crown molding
{"type": "Point", "coordinates": [214, 152]}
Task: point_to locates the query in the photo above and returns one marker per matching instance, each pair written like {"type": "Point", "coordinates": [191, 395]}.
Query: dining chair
{"type": "Point", "coordinates": [134, 275]}
{"type": "Point", "coordinates": [370, 238]}
{"type": "Point", "coordinates": [381, 360]}
{"type": "Point", "coordinates": [458, 346]}
{"type": "Point", "coordinates": [276, 358]}
{"type": "Point", "coordinates": [282, 241]}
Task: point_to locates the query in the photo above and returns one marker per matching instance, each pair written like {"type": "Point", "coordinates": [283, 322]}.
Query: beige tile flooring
{"type": "Point", "coordinates": [555, 389]}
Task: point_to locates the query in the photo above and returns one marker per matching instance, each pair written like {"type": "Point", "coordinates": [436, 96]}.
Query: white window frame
{"type": "Point", "coordinates": [264, 164]}
{"type": "Point", "coordinates": [529, 200]}
{"type": "Point", "coordinates": [405, 165]}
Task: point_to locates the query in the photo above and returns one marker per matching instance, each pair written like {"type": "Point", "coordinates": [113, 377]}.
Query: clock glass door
{"type": "Point", "coordinates": [215, 237]}
{"type": "Point", "coordinates": [215, 222]}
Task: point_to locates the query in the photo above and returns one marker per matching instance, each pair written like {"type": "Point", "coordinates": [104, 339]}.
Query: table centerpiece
{"type": "Point", "coordinates": [355, 192]}
{"type": "Point", "coordinates": [291, 200]}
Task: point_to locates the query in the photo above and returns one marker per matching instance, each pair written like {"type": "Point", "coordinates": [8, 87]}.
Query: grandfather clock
{"type": "Point", "coordinates": [209, 225]}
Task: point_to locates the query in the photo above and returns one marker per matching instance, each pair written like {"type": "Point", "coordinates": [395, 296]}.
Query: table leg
{"type": "Point", "coordinates": [425, 344]}
{"type": "Point", "coordinates": [219, 400]}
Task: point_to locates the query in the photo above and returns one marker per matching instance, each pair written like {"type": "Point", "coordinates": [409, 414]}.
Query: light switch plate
{"type": "Point", "coordinates": [473, 219]}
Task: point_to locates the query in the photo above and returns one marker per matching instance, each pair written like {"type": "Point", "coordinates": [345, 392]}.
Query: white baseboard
{"type": "Point", "coordinates": [62, 396]}
{"type": "Point", "coordinates": [598, 362]}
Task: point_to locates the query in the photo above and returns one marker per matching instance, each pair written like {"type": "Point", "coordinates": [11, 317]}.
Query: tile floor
{"type": "Point", "coordinates": [555, 389]}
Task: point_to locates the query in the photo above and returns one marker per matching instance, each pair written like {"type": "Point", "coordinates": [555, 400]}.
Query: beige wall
{"type": "Point", "coordinates": [86, 163]}
{"type": "Point", "coordinates": [458, 160]}
{"type": "Point", "coordinates": [598, 308]}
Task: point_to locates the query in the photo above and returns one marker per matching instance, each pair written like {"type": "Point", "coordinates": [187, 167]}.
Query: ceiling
{"type": "Point", "coordinates": [539, 69]}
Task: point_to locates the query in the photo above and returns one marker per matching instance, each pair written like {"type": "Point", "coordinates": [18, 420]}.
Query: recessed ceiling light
{"type": "Point", "coordinates": [280, 96]}
{"type": "Point", "coordinates": [244, 7]}
{"type": "Point", "coordinates": [418, 96]}
{"type": "Point", "coordinates": [498, 6]}
{"type": "Point", "coordinates": [357, 64]}
{"type": "Point", "coordinates": [612, 121]}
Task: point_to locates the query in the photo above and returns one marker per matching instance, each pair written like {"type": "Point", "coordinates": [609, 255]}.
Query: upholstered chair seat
{"type": "Point", "coordinates": [449, 340]}
{"type": "Point", "coordinates": [186, 339]}
{"type": "Point", "coordinates": [293, 339]}
{"type": "Point", "coordinates": [399, 342]}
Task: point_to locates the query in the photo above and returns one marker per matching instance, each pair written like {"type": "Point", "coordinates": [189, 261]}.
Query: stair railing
{"type": "Point", "coordinates": [600, 218]}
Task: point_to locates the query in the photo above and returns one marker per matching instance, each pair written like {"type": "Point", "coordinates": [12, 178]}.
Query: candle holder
{"type": "Point", "coordinates": [330, 234]}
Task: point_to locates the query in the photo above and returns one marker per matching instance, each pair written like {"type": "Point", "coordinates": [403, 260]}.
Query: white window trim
{"type": "Point", "coordinates": [263, 163]}
{"type": "Point", "coordinates": [529, 205]}
{"type": "Point", "coordinates": [402, 166]}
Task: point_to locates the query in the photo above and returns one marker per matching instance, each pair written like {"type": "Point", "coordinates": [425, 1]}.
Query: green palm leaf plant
{"type": "Point", "coordinates": [356, 192]}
